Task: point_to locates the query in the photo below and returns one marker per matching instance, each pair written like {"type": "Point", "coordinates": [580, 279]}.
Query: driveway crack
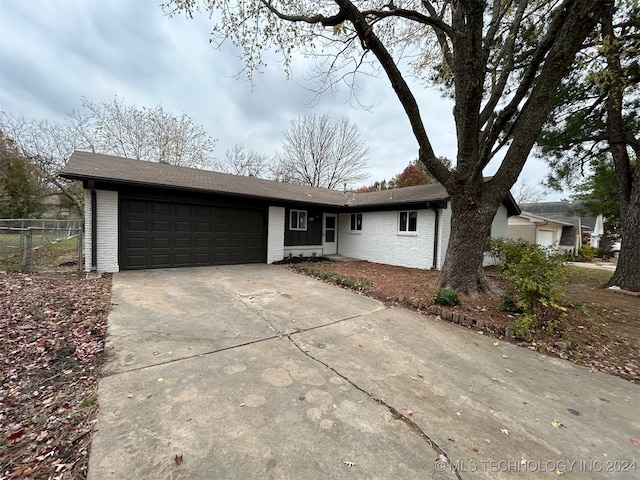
{"type": "Point", "coordinates": [410, 424]}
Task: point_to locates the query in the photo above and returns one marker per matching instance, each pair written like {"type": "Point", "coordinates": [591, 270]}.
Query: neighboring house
{"type": "Point", "coordinates": [559, 225]}
{"type": "Point", "coordinates": [151, 215]}
{"type": "Point", "coordinates": [58, 206]}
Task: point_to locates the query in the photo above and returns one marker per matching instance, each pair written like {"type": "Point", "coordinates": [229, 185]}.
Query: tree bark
{"type": "Point", "coordinates": [627, 274]}
{"type": "Point", "coordinates": [470, 227]}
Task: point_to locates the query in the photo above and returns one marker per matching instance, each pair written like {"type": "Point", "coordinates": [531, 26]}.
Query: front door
{"type": "Point", "coordinates": [330, 234]}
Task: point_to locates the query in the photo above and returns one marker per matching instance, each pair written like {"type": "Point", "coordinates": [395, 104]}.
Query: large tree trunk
{"type": "Point", "coordinates": [470, 226]}
{"type": "Point", "coordinates": [627, 274]}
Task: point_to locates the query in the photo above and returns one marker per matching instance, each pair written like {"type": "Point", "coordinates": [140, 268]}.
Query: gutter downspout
{"type": "Point", "coordinates": [435, 238]}
{"type": "Point", "coordinates": [94, 227]}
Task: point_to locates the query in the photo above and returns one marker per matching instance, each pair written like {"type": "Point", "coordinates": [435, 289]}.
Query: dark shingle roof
{"type": "Point", "coordinates": [107, 168]}
{"type": "Point", "coordinates": [125, 171]}
{"type": "Point", "coordinates": [570, 212]}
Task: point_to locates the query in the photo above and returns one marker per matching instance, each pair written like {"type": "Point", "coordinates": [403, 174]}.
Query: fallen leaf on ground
{"type": "Point", "coordinates": [634, 442]}
{"type": "Point", "coordinates": [178, 459]}
{"type": "Point", "coordinates": [443, 458]}
{"type": "Point", "coordinates": [496, 343]}
{"type": "Point", "coordinates": [572, 411]}
{"type": "Point", "coordinates": [15, 435]}
{"type": "Point", "coordinates": [487, 441]}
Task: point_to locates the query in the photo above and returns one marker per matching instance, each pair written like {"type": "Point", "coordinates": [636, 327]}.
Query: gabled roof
{"type": "Point", "coordinates": [124, 171]}
{"type": "Point", "coordinates": [570, 212]}
{"type": "Point", "coordinates": [540, 219]}
{"type": "Point", "coordinates": [119, 170]}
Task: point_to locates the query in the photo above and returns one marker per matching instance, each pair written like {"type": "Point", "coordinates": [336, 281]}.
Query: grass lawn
{"type": "Point", "coordinates": [58, 255]}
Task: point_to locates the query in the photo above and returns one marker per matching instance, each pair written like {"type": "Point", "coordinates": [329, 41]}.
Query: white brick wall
{"type": "Point", "coordinates": [379, 240]}
{"type": "Point", "coordinates": [88, 240]}
{"type": "Point", "coordinates": [444, 231]}
{"type": "Point", "coordinates": [500, 224]}
{"type": "Point", "coordinates": [275, 235]}
{"type": "Point", "coordinates": [107, 231]}
{"type": "Point", "coordinates": [499, 229]}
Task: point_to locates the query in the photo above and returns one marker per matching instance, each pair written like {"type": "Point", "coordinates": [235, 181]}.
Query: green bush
{"type": "Point", "coordinates": [599, 252]}
{"type": "Point", "coordinates": [509, 303]}
{"type": "Point", "coordinates": [534, 273]}
{"type": "Point", "coordinates": [446, 297]}
{"type": "Point", "coordinates": [586, 253]}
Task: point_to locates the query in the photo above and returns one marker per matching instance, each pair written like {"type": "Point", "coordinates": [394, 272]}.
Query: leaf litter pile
{"type": "Point", "coordinates": [52, 329]}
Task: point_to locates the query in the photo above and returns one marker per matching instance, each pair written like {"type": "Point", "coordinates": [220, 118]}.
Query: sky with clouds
{"type": "Point", "coordinates": [52, 53]}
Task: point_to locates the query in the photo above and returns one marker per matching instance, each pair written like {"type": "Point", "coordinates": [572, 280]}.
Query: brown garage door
{"type": "Point", "coordinates": [155, 234]}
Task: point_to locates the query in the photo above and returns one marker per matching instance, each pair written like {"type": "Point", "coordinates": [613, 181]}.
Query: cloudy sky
{"type": "Point", "coordinates": [54, 52]}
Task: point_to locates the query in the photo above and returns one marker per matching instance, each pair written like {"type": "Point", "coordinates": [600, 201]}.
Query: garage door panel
{"type": "Point", "coordinates": [202, 243]}
{"type": "Point", "coordinates": [183, 243]}
{"type": "Point", "coordinates": [160, 242]}
{"type": "Point", "coordinates": [155, 234]}
{"type": "Point", "coordinates": [137, 226]}
{"type": "Point", "coordinates": [134, 207]}
{"type": "Point", "coordinates": [160, 226]}
{"type": "Point", "coordinates": [160, 208]}
{"type": "Point", "coordinates": [203, 227]}
{"type": "Point", "coordinates": [182, 226]}
{"type": "Point", "coordinates": [184, 210]}
{"type": "Point", "coordinates": [138, 261]}
{"type": "Point", "coordinates": [136, 243]}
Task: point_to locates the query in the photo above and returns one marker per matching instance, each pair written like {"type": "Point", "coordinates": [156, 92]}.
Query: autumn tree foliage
{"type": "Point", "coordinates": [501, 61]}
{"type": "Point", "coordinates": [416, 174]}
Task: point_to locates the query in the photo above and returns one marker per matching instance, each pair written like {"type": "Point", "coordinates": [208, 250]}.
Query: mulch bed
{"type": "Point", "coordinates": [52, 328]}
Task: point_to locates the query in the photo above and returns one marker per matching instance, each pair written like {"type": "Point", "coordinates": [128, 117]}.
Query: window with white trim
{"type": "Point", "coordinates": [356, 222]}
{"type": "Point", "coordinates": [408, 221]}
{"type": "Point", "coordinates": [298, 220]}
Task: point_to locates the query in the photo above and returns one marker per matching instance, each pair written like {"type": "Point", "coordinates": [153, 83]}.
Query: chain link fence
{"type": "Point", "coordinates": [21, 238]}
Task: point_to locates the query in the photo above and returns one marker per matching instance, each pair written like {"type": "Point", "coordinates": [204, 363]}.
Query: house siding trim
{"type": "Point", "coordinates": [106, 232]}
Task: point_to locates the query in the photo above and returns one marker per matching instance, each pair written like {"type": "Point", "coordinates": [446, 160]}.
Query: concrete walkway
{"type": "Point", "coordinates": [611, 266]}
{"type": "Point", "coordinates": [256, 372]}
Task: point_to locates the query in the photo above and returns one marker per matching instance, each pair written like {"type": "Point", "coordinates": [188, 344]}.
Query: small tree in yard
{"type": "Point", "coordinates": [534, 274]}
{"type": "Point", "coordinates": [501, 61]}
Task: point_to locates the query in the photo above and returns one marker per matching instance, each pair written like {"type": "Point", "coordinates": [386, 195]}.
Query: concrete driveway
{"type": "Point", "coordinates": [255, 372]}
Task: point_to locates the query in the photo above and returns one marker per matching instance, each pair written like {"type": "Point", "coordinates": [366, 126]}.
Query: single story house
{"type": "Point", "coordinates": [141, 215]}
{"type": "Point", "coordinates": [558, 225]}
{"type": "Point", "coordinates": [58, 206]}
